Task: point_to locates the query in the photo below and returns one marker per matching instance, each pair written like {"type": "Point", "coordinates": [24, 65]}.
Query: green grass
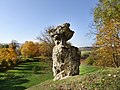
{"type": "Point", "coordinates": [85, 52]}
{"type": "Point", "coordinates": [97, 79]}
{"type": "Point", "coordinates": [25, 75]}
{"type": "Point", "coordinates": [85, 69]}
{"type": "Point", "coordinates": [38, 76]}
{"type": "Point", "coordinates": [31, 73]}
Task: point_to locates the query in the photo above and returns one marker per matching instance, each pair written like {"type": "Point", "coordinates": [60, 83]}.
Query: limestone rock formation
{"type": "Point", "coordinates": [66, 58]}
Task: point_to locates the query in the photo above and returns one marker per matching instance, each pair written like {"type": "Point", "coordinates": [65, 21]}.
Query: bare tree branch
{"type": "Point", "coordinates": [44, 37]}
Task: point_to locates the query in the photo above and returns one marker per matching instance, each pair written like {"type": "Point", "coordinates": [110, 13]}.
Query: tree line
{"type": "Point", "coordinates": [12, 53]}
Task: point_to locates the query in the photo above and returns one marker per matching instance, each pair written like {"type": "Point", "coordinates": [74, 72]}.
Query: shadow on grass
{"type": "Point", "coordinates": [15, 79]}
{"type": "Point", "coordinates": [29, 68]}
{"type": "Point", "coordinates": [32, 70]}
{"type": "Point", "coordinates": [13, 83]}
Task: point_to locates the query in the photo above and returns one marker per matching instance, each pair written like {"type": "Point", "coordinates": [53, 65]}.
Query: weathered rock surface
{"type": "Point", "coordinates": [66, 58]}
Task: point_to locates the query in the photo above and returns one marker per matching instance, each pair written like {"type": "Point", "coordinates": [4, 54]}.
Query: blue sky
{"type": "Point", "coordinates": [23, 20]}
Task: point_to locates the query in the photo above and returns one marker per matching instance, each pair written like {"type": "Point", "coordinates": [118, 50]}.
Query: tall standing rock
{"type": "Point", "coordinates": [66, 58]}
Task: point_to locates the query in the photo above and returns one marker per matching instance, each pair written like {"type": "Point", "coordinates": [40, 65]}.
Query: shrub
{"type": "Point", "coordinates": [90, 60]}
{"type": "Point", "coordinates": [4, 64]}
{"type": "Point", "coordinates": [85, 54]}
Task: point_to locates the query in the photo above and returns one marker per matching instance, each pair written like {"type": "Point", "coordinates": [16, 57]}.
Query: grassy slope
{"type": "Point", "coordinates": [25, 75]}
{"type": "Point", "coordinates": [91, 78]}
{"type": "Point", "coordinates": [84, 69]}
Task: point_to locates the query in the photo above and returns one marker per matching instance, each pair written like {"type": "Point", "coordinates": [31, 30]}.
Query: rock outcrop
{"type": "Point", "coordinates": [66, 58]}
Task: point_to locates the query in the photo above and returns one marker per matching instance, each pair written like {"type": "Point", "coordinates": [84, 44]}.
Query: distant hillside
{"type": "Point", "coordinates": [85, 48]}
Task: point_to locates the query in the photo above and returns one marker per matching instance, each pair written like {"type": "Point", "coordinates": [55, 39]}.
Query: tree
{"type": "Point", "coordinates": [107, 22]}
{"type": "Point", "coordinates": [7, 54]}
{"type": "Point", "coordinates": [14, 44]}
{"type": "Point", "coordinates": [44, 49]}
{"type": "Point", "coordinates": [29, 49]}
{"type": "Point", "coordinates": [44, 37]}
{"type": "Point", "coordinates": [8, 57]}
{"type": "Point", "coordinates": [4, 46]}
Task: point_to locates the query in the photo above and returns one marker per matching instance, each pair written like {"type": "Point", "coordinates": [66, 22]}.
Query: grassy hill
{"type": "Point", "coordinates": [91, 78]}
{"type": "Point", "coordinates": [38, 76]}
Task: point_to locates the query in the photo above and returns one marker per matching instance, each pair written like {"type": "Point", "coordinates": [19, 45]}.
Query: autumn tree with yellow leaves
{"type": "Point", "coordinates": [7, 54]}
{"type": "Point", "coordinates": [29, 49]}
{"type": "Point", "coordinates": [107, 22]}
{"type": "Point", "coordinates": [45, 49]}
{"type": "Point", "coordinates": [8, 57]}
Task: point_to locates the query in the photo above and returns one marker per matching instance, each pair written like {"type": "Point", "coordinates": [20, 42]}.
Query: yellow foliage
{"type": "Point", "coordinates": [107, 21]}
{"type": "Point", "coordinates": [8, 54]}
{"type": "Point", "coordinates": [45, 49]}
{"type": "Point", "coordinates": [29, 49]}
